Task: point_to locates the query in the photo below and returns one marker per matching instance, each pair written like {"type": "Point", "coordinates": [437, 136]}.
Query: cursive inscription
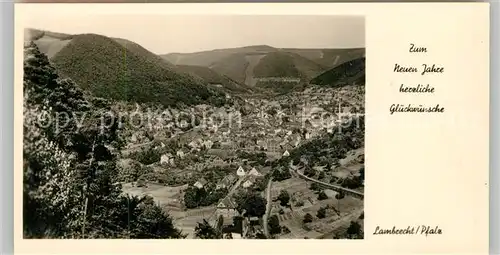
{"type": "Point", "coordinates": [409, 230]}
{"type": "Point", "coordinates": [432, 69]}
{"type": "Point", "coordinates": [418, 89]}
{"type": "Point", "coordinates": [405, 69]}
{"type": "Point", "coordinates": [417, 49]}
{"type": "Point", "coordinates": [425, 69]}
{"type": "Point", "coordinates": [395, 108]}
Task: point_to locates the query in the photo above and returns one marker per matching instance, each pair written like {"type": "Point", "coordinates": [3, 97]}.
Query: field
{"type": "Point", "coordinates": [170, 198]}
{"type": "Point", "coordinates": [339, 214]}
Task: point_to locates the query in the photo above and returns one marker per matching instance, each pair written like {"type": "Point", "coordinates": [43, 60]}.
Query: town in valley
{"type": "Point", "coordinates": [250, 142]}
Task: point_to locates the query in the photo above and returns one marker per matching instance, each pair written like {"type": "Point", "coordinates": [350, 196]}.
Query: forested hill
{"type": "Point", "coordinates": [110, 70]}
{"type": "Point", "coordinates": [119, 69]}
{"type": "Point", "coordinates": [351, 72]}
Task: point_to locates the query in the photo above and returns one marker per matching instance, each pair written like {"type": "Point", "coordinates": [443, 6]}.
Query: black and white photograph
{"type": "Point", "coordinates": [194, 127]}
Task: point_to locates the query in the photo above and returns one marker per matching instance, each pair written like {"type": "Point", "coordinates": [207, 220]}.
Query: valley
{"type": "Point", "coordinates": [253, 142]}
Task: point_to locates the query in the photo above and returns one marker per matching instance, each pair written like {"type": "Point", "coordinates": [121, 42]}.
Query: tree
{"type": "Point", "coordinates": [354, 231]}
{"type": "Point", "coordinates": [322, 195]}
{"type": "Point", "coordinates": [314, 186]}
{"type": "Point", "coordinates": [153, 223]}
{"type": "Point", "coordinates": [284, 198]}
{"type": "Point", "coordinates": [193, 196]}
{"type": "Point", "coordinates": [274, 225]}
{"type": "Point", "coordinates": [251, 204]}
{"type": "Point", "coordinates": [70, 170]}
{"type": "Point", "coordinates": [340, 195]}
{"type": "Point", "coordinates": [260, 184]}
{"type": "Point", "coordinates": [321, 213]}
{"type": "Point", "coordinates": [321, 175]}
{"type": "Point", "coordinates": [238, 224]}
{"type": "Point", "coordinates": [308, 218]}
{"type": "Point", "coordinates": [204, 231]}
{"type": "Point", "coordinates": [285, 230]}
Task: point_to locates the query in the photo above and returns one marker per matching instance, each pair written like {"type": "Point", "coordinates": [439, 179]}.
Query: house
{"type": "Point", "coordinates": [164, 159]}
{"type": "Point", "coordinates": [226, 204]}
{"type": "Point", "coordinates": [208, 144]}
{"type": "Point", "coordinates": [200, 183]}
{"type": "Point", "coordinates": [249, 181]}
{"type": "Point", "coordinates": [218, 162]}
{"type": "Point", "coordinates": [192, 144]}
{"type": "Point", "coordinates": [286, 153]}
{"type": "Point", "coordinates": [134, 138]}
{"type": "Point", "coordinates": [235, 235]}
{"type": "Point", "coordinates": [247, 184]}
{"type": "Point", "coordinates": [240, 172]}
{"type": "Point", "coordinates": [297, 143]}
{"type": "Point", "coordinates": [254, 221]}
{"type": "Point", "coordinates": [308, 136]}
{"type": "Point", "coordinates": [254, 172]}
{"type": "Point", "coordinates": [180, 154]}
{"type": "Point", "coordinates": [227, 182]}
{"type": "Point", "coordinates": [227, 209]}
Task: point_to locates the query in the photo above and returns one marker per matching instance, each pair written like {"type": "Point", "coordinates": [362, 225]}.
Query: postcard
{"type": "Point", "coordinates": [149, 128]}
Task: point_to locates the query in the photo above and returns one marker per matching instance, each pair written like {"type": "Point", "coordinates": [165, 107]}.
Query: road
{"type": "Point", "coordinates": [334, 187]}
{"type": "Point", "coordinates": [268, 207]}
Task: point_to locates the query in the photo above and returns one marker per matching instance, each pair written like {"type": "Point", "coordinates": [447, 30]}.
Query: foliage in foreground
{"type": "Point", "coordinates": [70, 171]}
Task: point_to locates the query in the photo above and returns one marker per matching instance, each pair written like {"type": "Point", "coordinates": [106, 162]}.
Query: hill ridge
{"type": "Point", "coordinates": [108, 69]}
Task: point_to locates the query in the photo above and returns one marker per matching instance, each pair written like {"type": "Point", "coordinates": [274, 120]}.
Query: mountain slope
{"type": "Point", "coordinates": [250, 68]}
{"type": "Point", "coordinates": [286, 64]}
{"type": "Point", "coordinates": [208, 58]}
{"type": "Point", "coordinates": [108, 69]}
{"type": "Point", "coordinates": [350, 72]}
{"type": "Point", "coordinates": [213, 78]}
{"type": "Point", "coordinates": [267, 67]}
{"type": "Point", "coordinates": [233, 66]}
{"type": "Point", "coordinates": [47, 42]}
{"type": "Point", "coordinates": [142, 52]}
{"type": "Point", "coordinates": [329, 58]}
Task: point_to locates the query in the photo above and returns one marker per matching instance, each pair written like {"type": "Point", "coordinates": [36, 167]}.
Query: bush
{"type": "Point", "coordinates": [308, 218]}
{"type": "Point", "coordinates": [299, 203]}
{"type": "Point", "coordinates": [321, 175]}
{"type": "Point", "coordinates": [194, 197]}
{"type": "Point", "coordinates": [314, 186]}
{"type": "Point", "coordinates": [340, 195]}
{"type": "Point", "coordinates": [274, 225]}
{"type": "Point", "coordinates": [309, 172]}
{"type": "Point", "coordinates": [352, 183]}
{"type": "Point", "coordinates": [260, 184]}
{"type": "Point", "coordinates": [281, 174]}
{"type": "Point", "coordinates": [146, 156]}
{"type": "Point", "coordinates": [285, 230]}
{"type": "Point", "coordinates": [322, 195]}
{"type": "Point", "coordinates": [284, 198]}
{"type": "Point", "coordinates": [354, 231]}
{"type": "Point", "coordinates": [321, 213]}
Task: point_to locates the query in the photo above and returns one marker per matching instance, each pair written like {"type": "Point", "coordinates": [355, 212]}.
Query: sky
{"type": "Point", "coordinates": [163, 34]}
